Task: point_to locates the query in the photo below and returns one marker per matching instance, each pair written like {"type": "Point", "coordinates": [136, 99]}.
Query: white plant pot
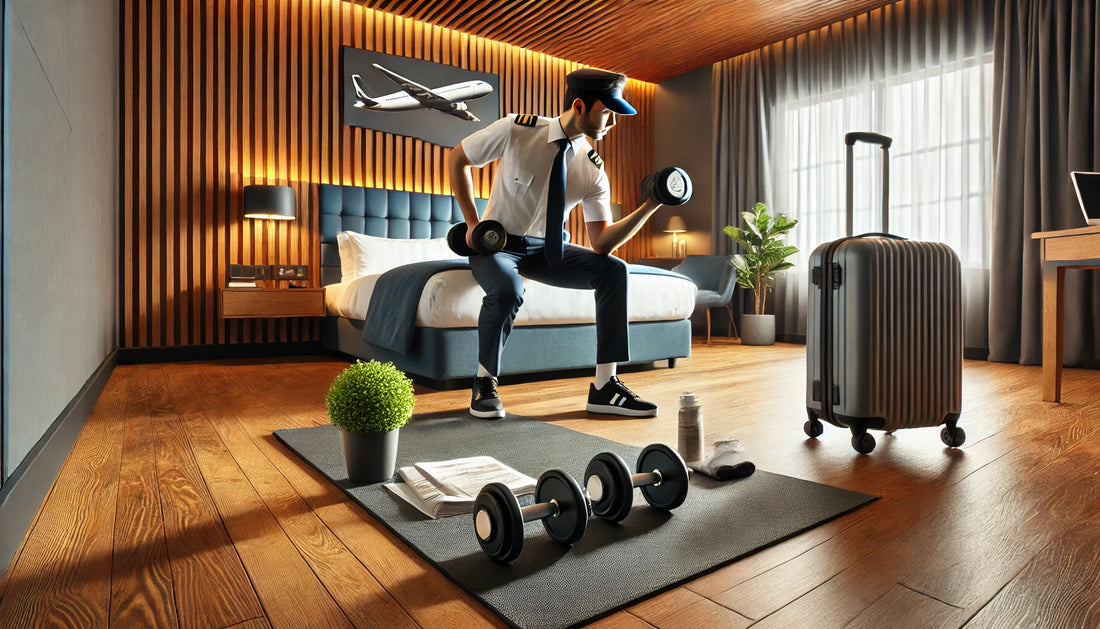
{"type": "Point", "coordinates": [758, 329]}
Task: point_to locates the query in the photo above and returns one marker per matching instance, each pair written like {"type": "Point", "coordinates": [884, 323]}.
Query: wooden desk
{"type": "Point", "coordinates": [1060, 250]}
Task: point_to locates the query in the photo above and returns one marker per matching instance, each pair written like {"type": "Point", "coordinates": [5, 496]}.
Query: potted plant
{"type": "Point", "coordinates": [765, 254]}
{"type": "Point", "coordinates": [370, 402]}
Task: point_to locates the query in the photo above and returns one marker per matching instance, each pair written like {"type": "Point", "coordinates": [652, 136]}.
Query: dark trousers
{"type": "Point", "coordinates": [499, 276]}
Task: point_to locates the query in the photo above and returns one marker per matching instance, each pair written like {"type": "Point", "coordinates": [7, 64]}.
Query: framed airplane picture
{"type": "Point", "coordinates": [431, 101]}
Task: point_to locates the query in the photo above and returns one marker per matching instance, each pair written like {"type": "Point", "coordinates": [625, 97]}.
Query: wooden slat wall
{"type": "Point", "coordinates": [217, 95]}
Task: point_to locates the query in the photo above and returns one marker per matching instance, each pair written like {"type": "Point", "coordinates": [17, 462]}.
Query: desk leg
{"type": "Point", "coordinates": [1053, 281]}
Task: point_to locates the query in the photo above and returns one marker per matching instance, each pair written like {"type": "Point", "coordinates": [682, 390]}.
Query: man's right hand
{"type": "Point", "coordinates": [470, 225]}
{"type": "Point", "coordinates": [486, 237]}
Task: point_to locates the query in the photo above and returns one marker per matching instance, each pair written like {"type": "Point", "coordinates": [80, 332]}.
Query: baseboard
{"type": "Point", "coordinates": [969, 353]}
{"type": "Point", "coordinates": [25, 490]}
{"type": "Point", "coordinates": [145, 355]}
{"type": "Point", "coordinates": [976, 353]}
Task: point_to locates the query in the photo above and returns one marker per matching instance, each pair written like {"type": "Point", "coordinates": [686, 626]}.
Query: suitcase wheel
{"type": "Point", "coordinates": [863, 442]}
{"type": "Point", "coordinates": [813, 428]}
{"type": "Point", "coordinates": [953, 436]}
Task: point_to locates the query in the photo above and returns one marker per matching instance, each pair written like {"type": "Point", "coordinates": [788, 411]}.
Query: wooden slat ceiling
{"type": "Point", "coordinates": [650, 40]}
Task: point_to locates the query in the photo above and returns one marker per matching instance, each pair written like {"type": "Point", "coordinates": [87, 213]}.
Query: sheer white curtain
{"type": "Point", "coordinates": [919, 72]}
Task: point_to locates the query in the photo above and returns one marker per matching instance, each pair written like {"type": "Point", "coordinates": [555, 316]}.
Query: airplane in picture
{"type": "Point", "coordinates": [448, 98]}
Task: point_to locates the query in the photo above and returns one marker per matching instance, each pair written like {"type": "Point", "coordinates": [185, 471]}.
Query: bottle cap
{"type": "Point", "coordinates": [688, 398]}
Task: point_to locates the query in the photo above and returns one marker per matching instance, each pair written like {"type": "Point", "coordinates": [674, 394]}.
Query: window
{"type": "Point", "coordinates": [940, 168]}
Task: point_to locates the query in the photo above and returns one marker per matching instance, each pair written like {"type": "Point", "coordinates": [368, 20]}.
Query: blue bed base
{"type": "Point", "coordinates": [447, 357]}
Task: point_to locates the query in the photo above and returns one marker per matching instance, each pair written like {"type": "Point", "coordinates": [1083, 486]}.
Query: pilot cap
{"type": "Point", "coordinates": [607, 86]}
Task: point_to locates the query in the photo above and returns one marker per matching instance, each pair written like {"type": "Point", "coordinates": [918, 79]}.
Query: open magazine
{"type": "Point", "coordinates": [444, 488]}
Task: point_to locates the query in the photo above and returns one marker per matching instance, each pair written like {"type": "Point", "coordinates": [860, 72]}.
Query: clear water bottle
{"type": "Point", "coordinates": [690, 440]}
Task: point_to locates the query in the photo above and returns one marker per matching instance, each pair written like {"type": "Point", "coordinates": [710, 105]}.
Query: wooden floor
{"type": "Point", "coordinates": [177, 507]}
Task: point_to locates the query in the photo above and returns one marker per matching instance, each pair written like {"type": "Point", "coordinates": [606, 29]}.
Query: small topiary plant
{"type": "Point", "coordinates": [370, 397]}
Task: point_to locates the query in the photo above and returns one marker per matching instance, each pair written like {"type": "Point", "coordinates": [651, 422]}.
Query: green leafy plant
{"type": "Point", "coordinates": [370, 397]}
{"type": "Point", "coordinates": [760, 235]}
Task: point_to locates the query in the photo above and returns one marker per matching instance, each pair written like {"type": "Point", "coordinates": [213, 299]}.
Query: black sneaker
{"type": "Point", "coordinates": [616, 399]}
{"type": "Point", "coordinates": [485, 402]}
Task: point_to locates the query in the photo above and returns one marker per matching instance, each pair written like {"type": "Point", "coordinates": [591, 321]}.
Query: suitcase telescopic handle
{"type": "Point", "coordinates": [868, 138]}
{"type": "Point", "coordinates": [872, 138]}
{"type": "Point", "coordinates": [881, 235]}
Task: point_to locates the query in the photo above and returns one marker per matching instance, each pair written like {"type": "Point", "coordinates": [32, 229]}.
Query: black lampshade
{"type": "Point", "coordinates": [275, 202]}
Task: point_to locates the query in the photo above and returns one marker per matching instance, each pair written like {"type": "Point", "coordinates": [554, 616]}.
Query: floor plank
{"type": "Point", "coordinates": [960, 544]}
{"type": "Point", "coordinates": [425, 594]}
{"type": "Point", "coordinates": [681, 608]}
{"type": "Point", "coordinates": [62, 575]}
{"type": "Point", "coordinates": [620, 620]}
{"type": "Point", "coordinates": [1060, 587]}
{"type": "Point", "coordinates": [361, 598]}
{"type": "Point", "coordinates": [902, 608]}
{"type": "Point", "coordinates": [179, 507]}
{"type": "Point", "coordinates": [283, 581]}
{"type": "Point", "coordinates": [211, 585]}
{"type": "Point", "coordinates": [141, 576]}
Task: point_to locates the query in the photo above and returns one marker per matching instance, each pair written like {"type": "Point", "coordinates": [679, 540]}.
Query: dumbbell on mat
{"type": "Point", "coordinates": [662, 476]}
{"type": "Point", "coordinates": [668, 186]}
{"type": "Point", "coordinates": [488, 237]}
{"type": "Point", "coordinates": [498, 519]}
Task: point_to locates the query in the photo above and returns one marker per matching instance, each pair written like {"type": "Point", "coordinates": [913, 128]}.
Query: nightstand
{"type": "Point", "coordinates": [264, 303]}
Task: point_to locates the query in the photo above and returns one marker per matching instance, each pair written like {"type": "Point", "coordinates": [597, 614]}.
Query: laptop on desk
{"type": "Point", "coordinates": [1087, 186]}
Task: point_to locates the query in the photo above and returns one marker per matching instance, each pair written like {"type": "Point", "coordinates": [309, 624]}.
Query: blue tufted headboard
{"type": "Point", "coordinates": [383, 213]}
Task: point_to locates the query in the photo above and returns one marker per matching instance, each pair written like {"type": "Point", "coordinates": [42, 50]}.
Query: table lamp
{"type": "Point", "coordinates": [273, 203]}
{"type": "Point", "coordinates": [676, 226]}
{"type": "Point", "coordinates": [270, 202]}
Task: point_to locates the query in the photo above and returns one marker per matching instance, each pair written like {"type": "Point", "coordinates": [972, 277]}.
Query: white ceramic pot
{"type": "Point", "coordinates": [758, 329]}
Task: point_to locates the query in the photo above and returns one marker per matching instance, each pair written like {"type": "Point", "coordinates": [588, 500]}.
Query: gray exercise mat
{"type": "Point", "coordinates": [551, 585]}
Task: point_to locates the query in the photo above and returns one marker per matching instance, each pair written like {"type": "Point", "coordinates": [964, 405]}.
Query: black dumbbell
{"type": "Point", "coordinates": [662, 475]}
{"type": "Point", "coordinates": [559, 503]}
{"type": "Point", "coordinates": [668, 186]}
{"type": "Point", "coordinates": [488, 237]}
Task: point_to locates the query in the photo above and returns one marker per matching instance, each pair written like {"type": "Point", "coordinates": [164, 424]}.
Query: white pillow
{"type": "Point", "coordinates": [347, 262]}
{"type": "Point", "coordinates": [362, 255]}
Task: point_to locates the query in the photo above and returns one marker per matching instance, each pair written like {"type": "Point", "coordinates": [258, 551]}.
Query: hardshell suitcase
{"type": "Point", "coordinates": [884, 337]}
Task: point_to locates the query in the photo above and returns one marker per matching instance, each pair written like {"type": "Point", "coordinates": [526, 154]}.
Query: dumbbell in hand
{"type": "Point", "coordinates": [668, 186]}
{"type": "Point", "coordinates": [662, 476]}
{"type": "Point", "coordinates": [488, 237]}
{"type": "Point", "coordinates": [560, 503]}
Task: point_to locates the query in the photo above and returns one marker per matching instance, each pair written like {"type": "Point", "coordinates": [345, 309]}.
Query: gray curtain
{"type": "Point", "coordinates": [741, 123]}
{"type": "Point", "coordinates": [1046, 122]}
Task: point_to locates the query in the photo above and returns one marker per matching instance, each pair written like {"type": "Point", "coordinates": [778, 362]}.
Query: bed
{"type": "Point", "coordinates": [369, 235]}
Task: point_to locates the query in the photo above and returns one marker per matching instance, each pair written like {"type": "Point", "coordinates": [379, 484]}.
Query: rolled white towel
{"type": "Point", "coordinates": [727, 462]}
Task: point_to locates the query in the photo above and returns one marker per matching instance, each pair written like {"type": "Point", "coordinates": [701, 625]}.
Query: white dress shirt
{"type": "Point", "coordinates": [526, 154]}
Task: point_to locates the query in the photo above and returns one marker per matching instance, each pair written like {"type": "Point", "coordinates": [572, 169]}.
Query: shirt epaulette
{"type": "Point", "coordinates": [595, 157]}
{"type": "Point", "coordinates": [526, 120]}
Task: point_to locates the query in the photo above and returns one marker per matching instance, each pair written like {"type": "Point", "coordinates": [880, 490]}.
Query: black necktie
{"type": "Point", "coordinates": [555, 206]}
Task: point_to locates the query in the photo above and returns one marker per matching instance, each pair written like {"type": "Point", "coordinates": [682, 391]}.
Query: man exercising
{"type": "Point", "coordinates": [528, 200]}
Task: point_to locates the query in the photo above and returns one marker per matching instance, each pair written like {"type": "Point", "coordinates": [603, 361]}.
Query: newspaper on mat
{"type": "Point", "coordinates": [444, 488]}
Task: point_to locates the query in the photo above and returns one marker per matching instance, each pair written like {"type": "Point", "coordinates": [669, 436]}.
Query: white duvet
{"type": "Point", "coordinates": [452, 299]}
